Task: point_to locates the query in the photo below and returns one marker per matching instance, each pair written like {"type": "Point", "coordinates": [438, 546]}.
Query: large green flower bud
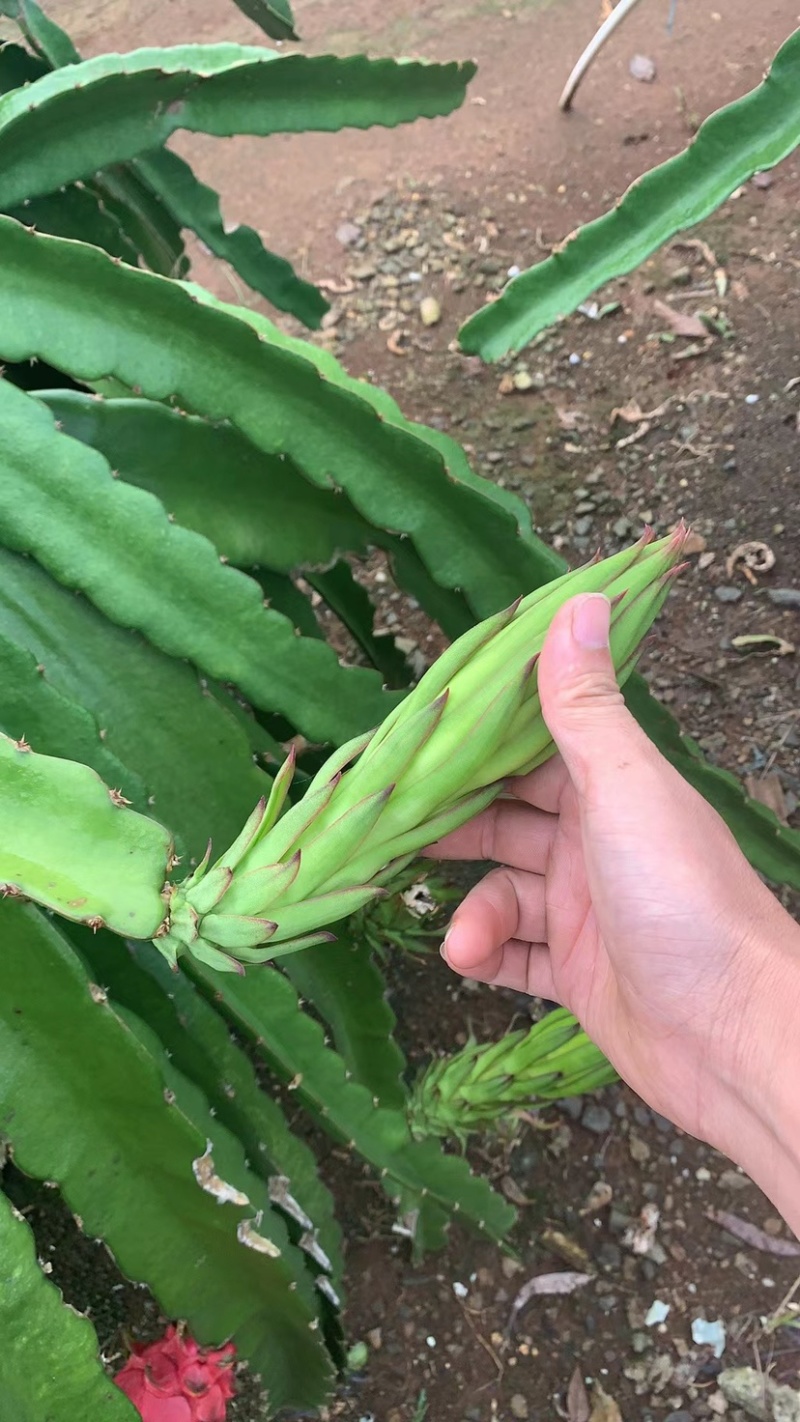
{"type": "Point", "coordinates": [442, 755]}
{"type": "Point", "coordinates": [481, 1087]}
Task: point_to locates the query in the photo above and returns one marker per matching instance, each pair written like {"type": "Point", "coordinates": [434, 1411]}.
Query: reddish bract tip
{"type": "Point", "coordinates": [678, 537]}
{"type": "Point", "coordinates": [673, 572]}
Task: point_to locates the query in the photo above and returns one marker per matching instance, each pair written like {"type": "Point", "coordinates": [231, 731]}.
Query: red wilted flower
{"type": "Point", "coordinates": [175, 1380]}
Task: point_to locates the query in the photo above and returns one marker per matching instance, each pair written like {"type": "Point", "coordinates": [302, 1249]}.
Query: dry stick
{"type": "Point", "coordinates": [592, 49]}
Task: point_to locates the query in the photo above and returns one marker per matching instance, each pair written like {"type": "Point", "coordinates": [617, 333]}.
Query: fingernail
{"type": "Point", "coordinates": [591, 621]}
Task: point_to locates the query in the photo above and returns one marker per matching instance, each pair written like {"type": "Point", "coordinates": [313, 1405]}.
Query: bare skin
{"type": "Point", "coordinates": [625, 897]}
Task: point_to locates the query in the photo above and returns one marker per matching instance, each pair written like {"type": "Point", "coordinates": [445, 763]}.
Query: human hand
{"type": "Point", "coordinates": [626, 898]}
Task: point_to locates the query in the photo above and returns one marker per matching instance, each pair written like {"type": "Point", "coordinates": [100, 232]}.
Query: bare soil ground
{"type": "Point", "coordinates": [710, 429]}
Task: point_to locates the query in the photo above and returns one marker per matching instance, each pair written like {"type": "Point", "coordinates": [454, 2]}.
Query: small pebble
{"type": "Point", "coordinates": [348, 233]}
{"type": "Point", "coordinates": [642, 68]}
{"type": "Point", "coordinates": [784, 597]}
{"type": "Point", "coordinates": [727, 594]}
{"type": "Point", "coordinates": [430, 311]}
{"type": "Point", "coordinates": [596, 1119]}
{"type": "Point", "coordinates": [751, 399]}
{"type": "Point", "coordinates": [518, 1405]}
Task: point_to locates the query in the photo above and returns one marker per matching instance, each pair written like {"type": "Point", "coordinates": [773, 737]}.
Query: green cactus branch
{"type": "Point", "coordinates": [187, 751]}
{"type": "Point", "coordinates": [344, 984]}
{"type": "Point", "coordinates": [83, 1103]}
{"type": "Point", "coordinates": [746, 137]}
{"type": "Point", "coordinates": [45, 37]}
{"type": "Point", "coordinates": [50, 1359]}
{"type": "Point", "coordinates": [69, 842]}
{"type": "Point", "coordinates": [79, 213]}
{"type": "Point", "coordinates": [200, 1046]}
{"type": "Point", "coordinates": [274, 17]}
{"type": "Point", "coordinates": [84, 117]}
{"type": "Point", "coordinates": [148, 225]}
{"type": "Point", "coordinates": [114, 542]}
{"type": "Point", "coordinates": [265, 1006]}
{"type": "Point", "coordinates": [256, 508]}
{"type": "Point", "coordinates": [197, 206]}
{"type": "Point", "coordinates": [70, 305]}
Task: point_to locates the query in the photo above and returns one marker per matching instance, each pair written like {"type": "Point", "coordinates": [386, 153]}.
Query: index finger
{"type": "Point", "coordinates": [508, 832]}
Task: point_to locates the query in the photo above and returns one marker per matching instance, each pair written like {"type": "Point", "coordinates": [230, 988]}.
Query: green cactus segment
{"type": "Point", "coordinates": [481, 1087]}
{"type": "Point", "coordinates": [771, 847]}
{"type": "Point", "coordinates": [50, 1364]}
{"type": "Point", "coordinates": [197, 206]}
{"type": "Point", "coordinates": [78, 213]}
{"type": "Point", "coordinates": [201, 1048]}
{"type": "Point", "coordinates": [346, 987]}
{"type": "Point", "coordinates": [43, 34]}
{"type": "Point", "coordinates": [145, 221]}
{"type": "Point", "coordinates": [70, 843]}
{"type": "Point", "coordinates": [188, 755]}
{"type": "Point", "coordinates": [274, 17]}
{"type": "Point", "coordinates": [750, 135]}
{"type": "Point", "coordinates": [134, 1168]}
{"type": "Point", "coordinates": [442, 755]}
{"type": "Point", "coordinates": [87, 116]}
{"type": "Point", "coordinates": [256, 508]}
{"type": "Point", "coordinates": [70, 305]}
{"type": "Point", "coordinates": [60, 502]}
{"type": "Point", "coordinates": [439, 478]}
{"type": "Point", "coordinates": [266, 1007]}
{"type": "Point", "coordinates": [33, 710]}
{"type": "Point", "coordinates": [351, 603]}
{"type": "Point", "coordinates": [18, 66]}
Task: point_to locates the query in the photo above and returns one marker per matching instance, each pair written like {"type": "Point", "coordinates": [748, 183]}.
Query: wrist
{"type": "Point", "coordinates": [757, 1103]}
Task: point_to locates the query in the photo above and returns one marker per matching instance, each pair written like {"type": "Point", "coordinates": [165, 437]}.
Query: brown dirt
{"type": "Point", "coordinates": [505, 178]}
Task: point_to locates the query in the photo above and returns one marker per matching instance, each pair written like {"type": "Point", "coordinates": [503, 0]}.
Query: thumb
{"type": "Point", "coordinates": [581, 701]}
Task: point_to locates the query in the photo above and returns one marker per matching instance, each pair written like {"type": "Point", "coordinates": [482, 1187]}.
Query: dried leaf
{"type": "Point", "coordinates": [338, 288]}
{"type": "Point", "coordinates": [640, 1236]}
{"type": "Point", "coordinates": [753, 556]}
{"type": "Point", "coordinates": [763, 642]}
{"type": "Point", "coordinates": [567, 1249]}
{"type": "Point", "coordinates": [768, 790]}
{"type": "Point", "coordinates": [512, 1192]}
{"type": "Point", "coordinates": [696, 244]}
{"type": "Point", "coordinates": [578, 1409]}
{"type": "Point", "coordinates": [755, 1237]}
{"type": "Point", "coordinates": [570, 419]}
{"type": "Point", "coordinates": [600, 1195]}
{"type": "Point", "coordinates": [691, 352]}
{"type": "Point", "coordinates": [639, 433]}
{"type": "Point", "coordinates": [544, 1285]}
{"type": "Point", "coordinates": [680, 322]}
{"type": "Point", "coordinates": [632, 413]}
{"type": "Point", "coordinates": [604, 1408]}
{"type": "Point", "coordinates": [397, 343]}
